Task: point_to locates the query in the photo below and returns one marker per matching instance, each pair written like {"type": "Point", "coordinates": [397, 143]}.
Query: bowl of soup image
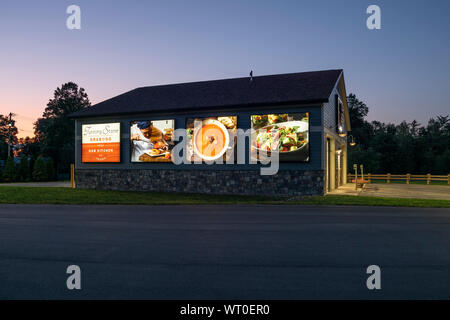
{"type": "Point", "coordinates": [211, 140]}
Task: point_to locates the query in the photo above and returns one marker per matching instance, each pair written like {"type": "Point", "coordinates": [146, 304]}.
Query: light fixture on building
{"type": "Point", "coordinates": [352, 142]}
{"type": "Point", "coordinates": [340, 130]}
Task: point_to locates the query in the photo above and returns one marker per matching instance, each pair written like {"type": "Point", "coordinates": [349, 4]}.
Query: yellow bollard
{"type": "Point", "coordinates": [72, 176]}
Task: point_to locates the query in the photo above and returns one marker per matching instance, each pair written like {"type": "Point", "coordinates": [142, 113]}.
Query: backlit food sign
{"type": "Point", "coordinates": [285, 134]}
{"type": "Point", "coordinates": [100, 142]}
{"type": "Point", "coordinates": [152, 140]}
{"type": "Point", "coordinates": [211, 139]}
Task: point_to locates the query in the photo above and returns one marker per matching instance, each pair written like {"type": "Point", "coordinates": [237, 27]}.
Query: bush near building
{"type": "Point", "coordinates": [40, 170]}
{"type": "Point", "coordinates": [31, 162]}
{"type": "Point", "coordinates": [50, 169]}
{"type": "Point", "coordinates": [23, 172]}
{"type": "Point", "coordinates": [10, 171]}
{"type": "Point", "coordinates": [28, 169]}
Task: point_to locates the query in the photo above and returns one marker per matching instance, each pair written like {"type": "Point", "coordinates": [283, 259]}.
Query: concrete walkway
{"type": "Point", "coordinates": [396, 191]}
{"type": "Point", "coordinates": [64, 184]}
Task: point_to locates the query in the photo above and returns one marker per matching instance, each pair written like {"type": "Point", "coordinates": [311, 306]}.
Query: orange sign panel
{"type": "Point", "coordinates": [100, 142]}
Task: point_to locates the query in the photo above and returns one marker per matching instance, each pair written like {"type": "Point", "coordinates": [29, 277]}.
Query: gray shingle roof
{"type": "Point", "coordinates": [304, 87]}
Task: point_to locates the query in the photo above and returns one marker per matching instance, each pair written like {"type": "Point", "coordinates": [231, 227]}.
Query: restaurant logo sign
{"type": "Point", "coordinates": [340, 117]}
{"type": "Point", "coordinates": [100, 142]}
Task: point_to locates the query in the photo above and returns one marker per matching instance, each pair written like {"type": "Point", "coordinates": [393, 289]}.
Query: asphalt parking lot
{"type": "Point", "coordinates": [223, 252]}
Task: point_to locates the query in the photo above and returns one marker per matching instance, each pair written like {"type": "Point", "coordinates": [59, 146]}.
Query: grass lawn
{"type": "Point", "coordinates": [55, 195]}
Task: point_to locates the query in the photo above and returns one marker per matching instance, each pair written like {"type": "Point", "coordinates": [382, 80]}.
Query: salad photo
{"type": "Point", "coordinates": [286, 134]}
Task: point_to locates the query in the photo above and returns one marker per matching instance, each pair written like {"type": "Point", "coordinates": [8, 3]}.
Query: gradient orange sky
{"type": "Point", "coordinates": [402, 71]}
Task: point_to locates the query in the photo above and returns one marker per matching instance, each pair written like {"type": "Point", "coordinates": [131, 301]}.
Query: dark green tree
{"type": "Point", "coordinates": [23, 173]}
{"type": "Point", "coordinates": [55, 131]}
{"type": "Point", "coordinates": [4, 132]}
{"type": "Point", "coordinates": [49, 166]}
{"type": "Point", "coordinates": [30, 147]}
{"type": "Point", "coordinates": [368, 157]}
{"type": "Point", "coordinates": [39, 170]}
{"type": "Point", "coordinates": [358, 110]}
{"type": "Point", "coordinates": [10, 172]}
{"type": "Point", "coordinates": [31, 166]}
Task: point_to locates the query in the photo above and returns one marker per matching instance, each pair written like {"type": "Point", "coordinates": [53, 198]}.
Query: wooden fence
{"type": "Point", "coordinates": [400, 177]}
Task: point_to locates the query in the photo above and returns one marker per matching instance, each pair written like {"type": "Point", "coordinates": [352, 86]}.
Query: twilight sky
{"type": "Point", "coordinates": [402, 71]}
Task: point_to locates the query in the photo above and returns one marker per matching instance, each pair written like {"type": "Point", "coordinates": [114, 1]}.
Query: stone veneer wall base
{"type": "Point", "coordinates": [284, 183]}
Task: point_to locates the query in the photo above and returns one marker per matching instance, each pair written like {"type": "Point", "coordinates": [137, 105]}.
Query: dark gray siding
{"type": "Point", "coordinates": [329, 111]}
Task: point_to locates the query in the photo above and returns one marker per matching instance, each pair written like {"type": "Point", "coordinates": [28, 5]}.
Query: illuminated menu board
{"type": "Point", "coordinates": [100, 142]}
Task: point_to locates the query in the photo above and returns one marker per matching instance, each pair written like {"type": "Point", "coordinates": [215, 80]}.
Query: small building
{"type": "Point", "coordinates": [131, 141]}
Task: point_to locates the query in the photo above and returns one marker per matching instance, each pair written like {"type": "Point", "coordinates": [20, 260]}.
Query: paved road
{"type": "Point", "coordinates": [223, 252]}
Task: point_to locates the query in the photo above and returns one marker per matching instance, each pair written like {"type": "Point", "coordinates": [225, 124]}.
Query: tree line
{"type": "Point", "coordinates": [404, 148]}
{"type": "Point", "coordinates": [28, 169]}
{"type": "Point", "coordinates": [50, 152]}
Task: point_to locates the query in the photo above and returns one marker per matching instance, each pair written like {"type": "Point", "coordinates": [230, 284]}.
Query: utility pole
{"type": "Point", "coordinates": [10, 125]}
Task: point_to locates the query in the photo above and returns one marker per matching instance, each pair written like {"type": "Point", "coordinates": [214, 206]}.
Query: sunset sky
{"type": "Point", "coordinates": [402, 71]}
